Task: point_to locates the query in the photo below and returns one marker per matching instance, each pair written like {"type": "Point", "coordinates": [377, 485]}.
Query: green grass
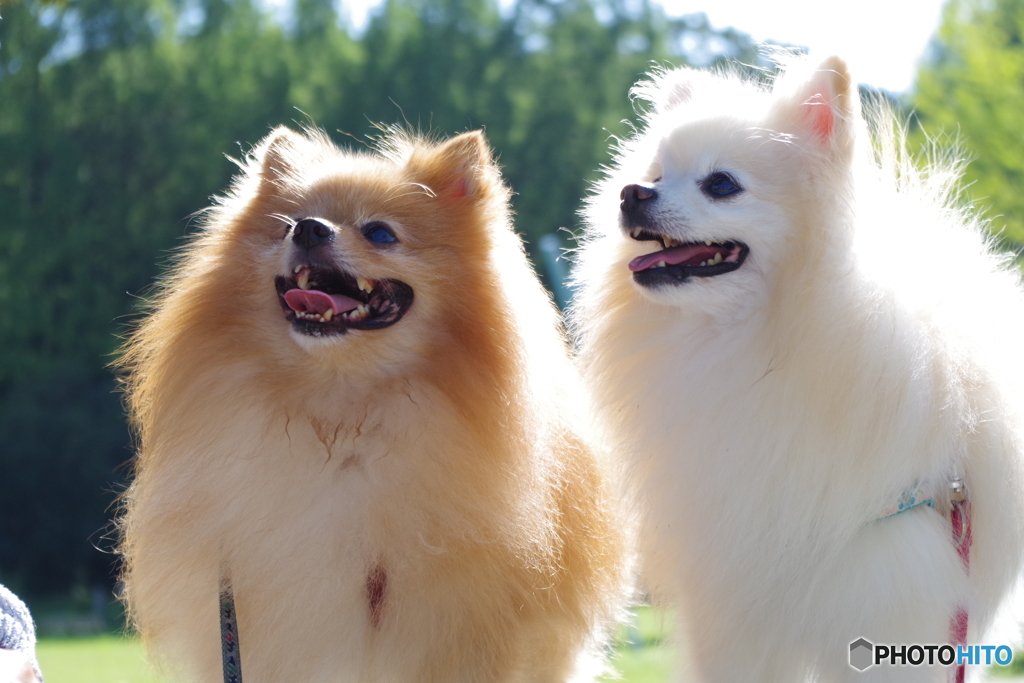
{"type": "Point", "coordinates": [1015, 669]}
{"type": "Point", "coordinates": [116, 659]}
{"type": "Point", "coordinates": [97, 659]}
{"type": "Point", "coordinates": [642, 656]}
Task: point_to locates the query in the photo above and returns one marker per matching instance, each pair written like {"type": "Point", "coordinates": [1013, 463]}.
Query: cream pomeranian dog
{"type": "Point", "coordinates": [354, 405]}
{"type": "Point", "coordinates": [795, 335]}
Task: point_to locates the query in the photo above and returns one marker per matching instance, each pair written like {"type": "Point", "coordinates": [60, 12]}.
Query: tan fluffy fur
{"type": "Point", "coordinates": [446, 449]}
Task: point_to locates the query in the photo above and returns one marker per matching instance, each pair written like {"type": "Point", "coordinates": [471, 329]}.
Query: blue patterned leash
{"type": "Point", "coordinates": [230, 655]}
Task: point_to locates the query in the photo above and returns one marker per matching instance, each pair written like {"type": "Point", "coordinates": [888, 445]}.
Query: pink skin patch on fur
{"type": "Point", "coordinates": [315, 301]}
{"type": "Point", "coordinates": [691, 255]}
{"type": "Point", "coordinates": [376, 589]}
{"type": "Point", "coordinates": [822, 119]}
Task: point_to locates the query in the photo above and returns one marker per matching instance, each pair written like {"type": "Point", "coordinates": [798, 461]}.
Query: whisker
{"type": "Point", "coordinates": [423, 190]}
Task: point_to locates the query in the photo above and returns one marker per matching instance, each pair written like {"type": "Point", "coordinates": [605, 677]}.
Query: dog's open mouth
{"type": "Point", "coordinates": [678, 261]}
{"type": "Point", "coordinates": [322, 301]}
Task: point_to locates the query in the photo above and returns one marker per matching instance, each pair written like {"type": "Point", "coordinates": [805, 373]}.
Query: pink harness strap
{"type": "Point", "coordinates": [960, 520]}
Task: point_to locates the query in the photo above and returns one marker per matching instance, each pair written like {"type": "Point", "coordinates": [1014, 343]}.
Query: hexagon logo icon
{"type": "Point", "coordinates": [861, 654]}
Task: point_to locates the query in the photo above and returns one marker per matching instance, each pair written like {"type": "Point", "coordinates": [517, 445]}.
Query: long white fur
{"type": "Point", "coordinates": [772, 414]}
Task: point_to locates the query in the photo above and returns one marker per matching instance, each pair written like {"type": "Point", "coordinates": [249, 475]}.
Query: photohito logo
{"type": "Point", "coordinates": [865, 654]}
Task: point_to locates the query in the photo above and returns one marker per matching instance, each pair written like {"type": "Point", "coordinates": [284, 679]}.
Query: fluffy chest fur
{"type": "Point", "coordinates": [330, 531]}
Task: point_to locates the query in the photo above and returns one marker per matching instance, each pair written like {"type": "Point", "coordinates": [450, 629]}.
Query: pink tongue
{"type": "Point", "coordinates": [315, 301]}
{"type": "Point", "coordinates": [690, 252]}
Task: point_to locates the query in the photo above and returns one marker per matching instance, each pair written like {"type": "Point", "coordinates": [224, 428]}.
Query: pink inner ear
{"type": "Point", "coordinates": [819, 112]}
{"type": "Point", "coordinates": [460, 187]}
{"type": "Point", "coordinates": [679, 95]}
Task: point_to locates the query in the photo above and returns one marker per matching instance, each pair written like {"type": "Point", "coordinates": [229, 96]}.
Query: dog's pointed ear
{"type": "Point", "coordinates": [825, 106]}
{"type": "Point", "coordinates": [666, 90]}
{"type": "Point", "coordinates": [274, 155]}
{"type": "Point", "coordinates": [455, 169]}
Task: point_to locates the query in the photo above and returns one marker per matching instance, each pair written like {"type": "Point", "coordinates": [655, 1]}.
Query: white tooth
{"type": "Point", "coordinates": [717, 259]}
{"type": "Point", "coordinates": [707, 242]}
{"type": "Point", "coordinates": [297, 269]}
{"type": "Point", "coordinates": [364, 285]}
{"type": "Point", "coordinates": [303, 280]}
{"type": "Point", "coordinates": [661, 264]}
{"type": "Point", "coordinates": [363, 310]}
{"type": "Point", "coordinates": [328, 314]}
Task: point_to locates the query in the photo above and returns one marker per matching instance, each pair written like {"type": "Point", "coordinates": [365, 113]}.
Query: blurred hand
{"type": "Point", "coordinates": [16, 667]}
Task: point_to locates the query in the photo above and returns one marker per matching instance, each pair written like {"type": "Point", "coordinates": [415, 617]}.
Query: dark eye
{"type": "Point", "coordinates": [379, 233]}
{"type": "Point", "coordinates": [718, 185]}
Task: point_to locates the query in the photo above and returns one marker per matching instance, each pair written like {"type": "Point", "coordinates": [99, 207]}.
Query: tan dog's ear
{"type": "Point", "coordinates": [454, 169]}
{"type": "Point", "coordinates": [274, 154]}
{"type": "Point", "coordinates": [826, 105]}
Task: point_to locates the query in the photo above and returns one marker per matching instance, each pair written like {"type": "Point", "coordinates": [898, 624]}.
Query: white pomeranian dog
{"type": "Point", "coordinates": [814, 360]}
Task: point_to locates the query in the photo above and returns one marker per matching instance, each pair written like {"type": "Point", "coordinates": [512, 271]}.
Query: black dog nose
{"type": "Point", "coordinates": [632, 195]}
{"type": "Point", "coordinates": [310, 232]}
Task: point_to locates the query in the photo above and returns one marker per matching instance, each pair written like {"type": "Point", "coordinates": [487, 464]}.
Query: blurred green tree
{"type": "Point", "coordinates": [106, 136]}
{"type": "Point", "coordinates": [972, 86]}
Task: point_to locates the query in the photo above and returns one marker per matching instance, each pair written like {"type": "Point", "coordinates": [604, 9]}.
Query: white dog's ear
{"type": "Point", "coordinates": [825, 106]}
{"type": "Point", "coordinates": [665, 90]}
